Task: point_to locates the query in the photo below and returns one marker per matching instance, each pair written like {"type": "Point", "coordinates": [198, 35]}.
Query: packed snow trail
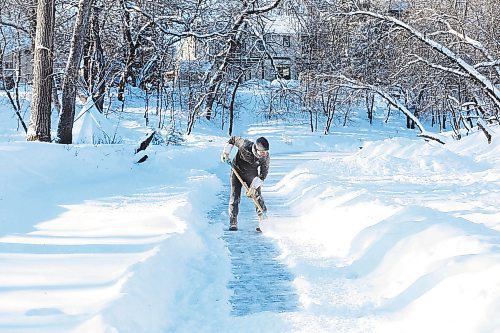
{"type": "Point", "coordinates": [260, 281]}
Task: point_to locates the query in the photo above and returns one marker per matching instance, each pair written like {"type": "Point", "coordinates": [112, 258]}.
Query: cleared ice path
{"type": "Point", "coordinates": [261, 282]}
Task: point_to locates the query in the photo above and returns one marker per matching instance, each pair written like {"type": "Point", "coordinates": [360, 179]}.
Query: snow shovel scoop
{"type": "Point", "coordinates": [254, 199]}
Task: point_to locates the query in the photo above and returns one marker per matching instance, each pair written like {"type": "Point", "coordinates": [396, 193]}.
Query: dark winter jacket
{"type": "Point", "coordinates": [248, 165]}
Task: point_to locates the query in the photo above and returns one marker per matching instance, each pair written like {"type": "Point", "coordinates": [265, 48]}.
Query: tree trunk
{"type": "Point", "coordinates": [235, 36]}
{"type": "Point", "coordinates": [93, 60]}
{"type": "Point", "coordinates": [370, 101]}
{"type": "Point", "coordinates": [55, 97]}
{"type": "Point", "coordinates": [330, 107]}
{"type": "Point", "coordinates": [98, 64]}
{"type": "Point", "coordinates": [231, 106]}
{"type": "Point", "coordinates": [67, 116]}
{"type": "Point", "coordinates": [132, 49]}
{"type": "Point", "coordinates": [39, 128]}
{"type": "Point", "coordinates": [32, 21]}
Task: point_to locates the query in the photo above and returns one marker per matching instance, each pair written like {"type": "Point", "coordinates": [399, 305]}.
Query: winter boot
{"type": "Point", "coordinates": [262, 217]}
{"type": "Point", "coordinates": [233, 225]}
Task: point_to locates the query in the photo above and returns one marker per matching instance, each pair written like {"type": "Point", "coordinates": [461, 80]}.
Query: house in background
{"type": "Point", "coordinates": [269, 55]}
{"type": "Point", "coordinates": [190, 65]}
{"type": "Point", "coordinates": [285, 45]}
{"type": "Point", "coordinates": [291, 40]}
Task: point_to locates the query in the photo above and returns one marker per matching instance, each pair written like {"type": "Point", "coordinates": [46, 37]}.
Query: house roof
{"type": "Point", "coordinates": [282, 24]}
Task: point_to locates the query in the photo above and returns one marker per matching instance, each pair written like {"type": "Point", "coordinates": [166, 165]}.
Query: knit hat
{"type": "Point", "coordinates": [262, 143]}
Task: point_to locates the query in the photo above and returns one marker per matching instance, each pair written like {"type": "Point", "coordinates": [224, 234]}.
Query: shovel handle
{"type": "Point", "coordinates": [255, 201]}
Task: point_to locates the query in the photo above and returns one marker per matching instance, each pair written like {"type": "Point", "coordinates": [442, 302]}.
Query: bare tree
{"type": "Point", "coordinates": [12, 55]}
{"type": "Point", "coordinates": [70, 82]}
{"type": "Point", "coordinates": [417, 55]}
{"type": "Point", "coordinates": [39, 128]}
{"type": "Point", "coordinates": [233, 39]}
{"type": "Point", "coordinates": [94, 66]}
{"type": "Point", "coordinates": [464, 68]}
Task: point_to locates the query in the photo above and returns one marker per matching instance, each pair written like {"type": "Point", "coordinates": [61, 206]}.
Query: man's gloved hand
{"type": "Point", "coordinates": [251, 192]}
{"type": "Point", "coordinates": [225, 153]}
{"type": "Point", "coordinates": [224, 157]}
{"type": "Point", "coordinates": [256, 182]}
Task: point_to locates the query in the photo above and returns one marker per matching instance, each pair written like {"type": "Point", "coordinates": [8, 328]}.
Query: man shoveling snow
{"type": "Point", "coordinates": [249, 169]}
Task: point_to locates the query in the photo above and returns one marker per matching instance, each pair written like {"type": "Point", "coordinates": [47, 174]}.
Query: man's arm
{"type": "Point", "coordinates": [237, 141]}
{"type": "Point", "coordinates": [233, 141]}
{"type": "Point", "coordinates": [264, 168]}
{"type": "Point", "coordinates": [259, 180]}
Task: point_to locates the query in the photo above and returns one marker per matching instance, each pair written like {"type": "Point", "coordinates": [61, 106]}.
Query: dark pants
{"type": "Point", "coordinates": [235, 197]}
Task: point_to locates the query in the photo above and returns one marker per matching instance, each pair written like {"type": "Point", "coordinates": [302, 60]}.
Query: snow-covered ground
{"type": "Point", "coordinates": [370, 229]}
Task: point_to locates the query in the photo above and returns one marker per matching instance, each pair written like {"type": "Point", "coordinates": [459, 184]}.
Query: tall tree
{"type": "Point", "coordinates": [39, 128]}
{"type": "Point", "coordinates": [67, 116]}
{"type": "Point", "coordinates": [93, 59]}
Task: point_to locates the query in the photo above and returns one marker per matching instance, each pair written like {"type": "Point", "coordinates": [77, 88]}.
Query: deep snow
{"type": "Point", "coordinates": [371, 229]}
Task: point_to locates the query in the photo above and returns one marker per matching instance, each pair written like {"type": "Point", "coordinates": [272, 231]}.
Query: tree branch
{"type": "Point", "coordinates": [12, 25]}
{"type": "Point", "coordinates": [491, 90]}
{"type": "Point", "coordinates": [354, 84]}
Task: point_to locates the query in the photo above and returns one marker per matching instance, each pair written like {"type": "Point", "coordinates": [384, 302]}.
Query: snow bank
{"type": "Point", "coordinates": [392, 234]}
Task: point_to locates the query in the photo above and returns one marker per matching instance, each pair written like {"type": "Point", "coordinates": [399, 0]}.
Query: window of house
{"type": "Point", "coordinates": [286, 41]}
{"type": "Point", "coordinates": [284, 72]}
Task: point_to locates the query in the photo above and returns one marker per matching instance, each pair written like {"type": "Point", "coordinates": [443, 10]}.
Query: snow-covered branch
{"type": "Point", "coordinates": [15, 26]}
{"type": "Point", "coordinates": [492, 91]}
{"type": "Point", "coordinates": [248, 11]}
{"type": "Point", "coordinates": [157, 21]}
{"type": "Point", "coordinates": [464, 38]}
{"type": "Point", "coordinates": [262, 10]}
{"type": "Point", "coordinates": [440, 67]}
{"type": "Point", "coordinates": [469, 41]}
{"type": "Point", "coordinates": [42, 47]}
{"type": "Point", "coordinates": [494, 63]}
{"type": "Point", "coordinates": [354, 84]}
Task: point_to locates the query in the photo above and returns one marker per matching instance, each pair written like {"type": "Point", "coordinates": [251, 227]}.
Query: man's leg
{"type": "Point", "coordinates": [234, 201]}
{"type": "Point", "coordinates": [262, 215]}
